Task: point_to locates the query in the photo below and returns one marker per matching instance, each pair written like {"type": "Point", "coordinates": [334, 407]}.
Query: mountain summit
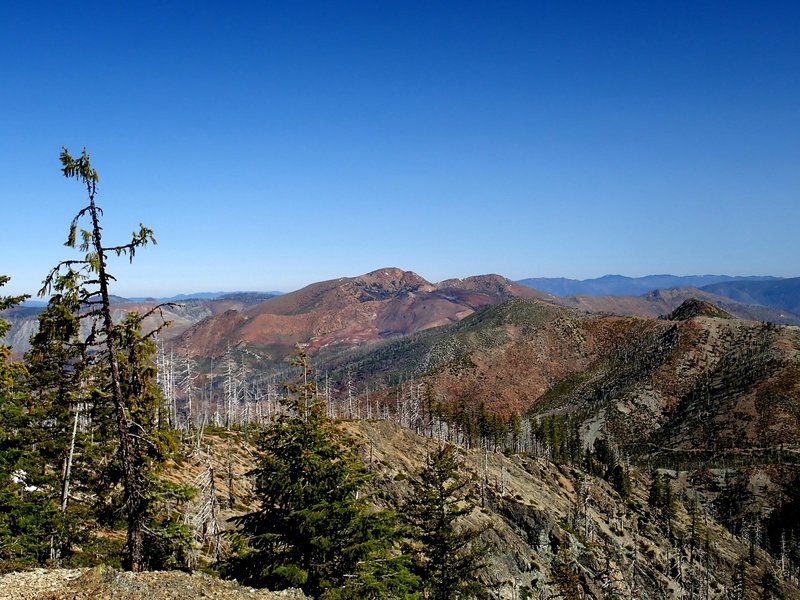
{"type": "Point", "coordinates": [697, 308]}
{"type": "Point", "coordinates": [350, 311]}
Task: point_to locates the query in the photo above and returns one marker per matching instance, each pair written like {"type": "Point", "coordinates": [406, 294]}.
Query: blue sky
{"type": "Point", "coordinates": [274, 144]}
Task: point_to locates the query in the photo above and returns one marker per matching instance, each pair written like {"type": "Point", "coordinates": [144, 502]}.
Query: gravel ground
{"type": "Point", "coordinates": [100, 583]}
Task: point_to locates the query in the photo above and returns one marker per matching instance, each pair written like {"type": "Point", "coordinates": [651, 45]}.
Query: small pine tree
{"type": "Point", "coordinates": [662, 499]}
{"type": "Point", "coordinates": [602, 462]}
{"type": "Point", "coordinates": [446, 557]}
{"type": "Point", "coordinates": [565, 578]}
{"type": "Point", "coordinates": [771, 588]}
{"type": "Point", "coordinates": [669, 506]}
{"type": "Point", "coordinates": [166, 536]}
{"type": "Point", "coordinates": [314, 528]}
{"type": "Point", "coordinates": [655, 495]}
{"type": "Point", "coordinates": [734, 502]}
{"type": "Point", "coordinates": [739, 582]}
{"type": "Point", "coordinates": [620, 481]}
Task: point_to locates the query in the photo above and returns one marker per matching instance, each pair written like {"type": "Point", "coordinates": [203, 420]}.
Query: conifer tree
{"type": "Point", "coordinates": [57, 380]}
{"type": "Point", "coordinates": [733, 504]}
{"type": "Point", "coordinates": [620, 481]}
{"type": "Point", "coordinates": [565, 579]}
{"type": "Point", "coordinates": [771, 587]}
{"type": "Point", "coordinates": [28, 511]}
{"type": "Point", "coordinates": [38, 410]}
{"type": "Point", "coordinates": [64, 411]}
{"type": "Point", "coordinates": [602, 461]}
{"type": "Point", "coordinates": [655, 495]}
{"type": "Point", "coordinates": [662, 499]}
{"type": "Point", "coordinates": [446, 554]}
{"type": "Point", "coordinates": [739, 583]}
{"type": "Point", "coordinates": [314, 528]}
{"type": "Point", "coordinates": [166, 538]}
{"type": "Point", "coordinates": [83, 287]}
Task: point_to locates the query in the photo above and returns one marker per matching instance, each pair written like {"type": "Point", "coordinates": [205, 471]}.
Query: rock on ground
{"type": "Point", "coordinates": [106, 583]}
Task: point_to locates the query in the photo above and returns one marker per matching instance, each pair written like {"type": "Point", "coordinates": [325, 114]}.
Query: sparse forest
{"type": "Point", "coordinates": [620, 479]}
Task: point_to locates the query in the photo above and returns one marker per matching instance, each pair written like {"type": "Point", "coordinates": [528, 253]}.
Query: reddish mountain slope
{"type": "Point", "coordinates": [351, 311]}
{"type": "Point", "coordinates": [670, 383]}
{"type": "Point", "coordinates": [678, 383]}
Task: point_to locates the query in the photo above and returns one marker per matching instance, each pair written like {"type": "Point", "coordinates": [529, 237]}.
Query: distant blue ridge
{"type": "Point", "coordinates": [619, 285]}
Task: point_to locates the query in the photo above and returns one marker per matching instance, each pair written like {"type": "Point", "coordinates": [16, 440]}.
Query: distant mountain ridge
{"type": "Point", "coordinates": [347, 311]}
{"type": "Point", "coordinates": [390, 302]}
{"type": "Point", "coordinates": [759, 298]}
{"type": "Point", "coordinates": [663, 301]}
{"type": "Point", "coordinates": [781, 293]}
{"type": "Point", "coordinates": [620, 285]}
{"type": "Point", "coordinates": [240, 295]}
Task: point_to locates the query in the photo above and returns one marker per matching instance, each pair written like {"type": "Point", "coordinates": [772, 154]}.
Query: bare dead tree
{"type": "Point", "coordinates": [203, 517]}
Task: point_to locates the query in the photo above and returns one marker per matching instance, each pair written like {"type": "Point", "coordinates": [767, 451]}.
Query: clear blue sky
{"type": "Point", "coordinates": [274, 144]}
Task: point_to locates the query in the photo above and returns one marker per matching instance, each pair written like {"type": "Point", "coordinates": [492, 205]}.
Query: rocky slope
{"type": "Point", "coordinates": [698, 391]}
{"type": "Point", "coordinates": [699, 378]}
{"type": "Point", "coordinates": [541, 517]}
{"type": "Point", "coordinates": [540, 512]}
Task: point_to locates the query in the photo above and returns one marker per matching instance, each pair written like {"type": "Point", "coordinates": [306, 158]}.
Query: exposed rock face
{"type": "Point", "coordinates": [24, 325]}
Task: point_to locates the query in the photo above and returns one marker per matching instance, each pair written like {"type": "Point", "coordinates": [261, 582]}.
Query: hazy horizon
{"type": "Point", "coordinates": [208, 291]}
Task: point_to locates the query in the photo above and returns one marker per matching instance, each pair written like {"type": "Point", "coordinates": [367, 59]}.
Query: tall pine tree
{"type": "Point", "coordinates": [28, 509]}
{"type": "Point", "coordinates": [63, 385]}
{"type": "Point", "coordinates": [121, 357]}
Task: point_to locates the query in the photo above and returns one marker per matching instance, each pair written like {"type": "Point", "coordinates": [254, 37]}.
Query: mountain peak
{"type": "Point", "coordinates": [383, 284]}
{"type": "Point", "coordinates": [393, 276]}
{"type": "Point", "coordinates": [390, 273]}
{"type": "Point", "coordinates": [693, 307]}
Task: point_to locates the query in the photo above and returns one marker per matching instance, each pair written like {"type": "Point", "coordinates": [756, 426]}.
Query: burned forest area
{"type": "Point", "coordinates": [383, 436]}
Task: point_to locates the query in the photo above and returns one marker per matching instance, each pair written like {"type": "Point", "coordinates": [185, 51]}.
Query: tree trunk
{"type": "Point", "coordinates": [133, 493]}
{"type": "Point", "coordinates": [68, 466]}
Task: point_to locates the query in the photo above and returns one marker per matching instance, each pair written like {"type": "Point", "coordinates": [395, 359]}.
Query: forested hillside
{"type": "Point", "coordinates": [520, 450]}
